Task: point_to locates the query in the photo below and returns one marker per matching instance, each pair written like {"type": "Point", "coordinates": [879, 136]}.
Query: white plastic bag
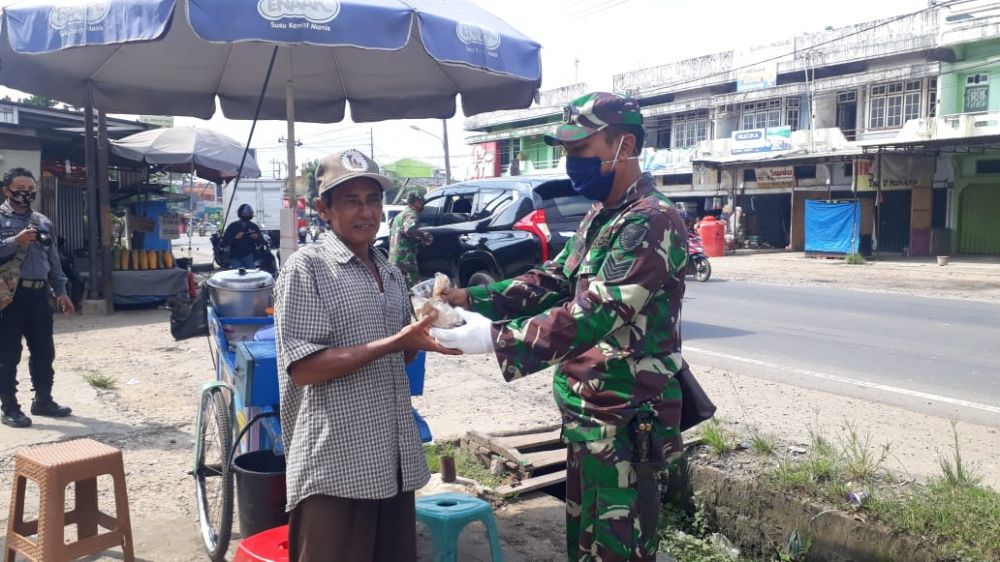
{"type": "Point", "coordinates": [427, 296]}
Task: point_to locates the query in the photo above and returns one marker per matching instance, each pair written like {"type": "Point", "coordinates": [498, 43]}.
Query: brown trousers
{"type": "Point", "coordinates": [331, 529]}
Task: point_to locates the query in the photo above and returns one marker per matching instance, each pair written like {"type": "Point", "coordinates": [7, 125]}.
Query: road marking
{"type": "Point", "coordinates": [846, 380]}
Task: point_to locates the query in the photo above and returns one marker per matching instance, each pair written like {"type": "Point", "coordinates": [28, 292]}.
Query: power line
{"type": "Point", "coordinates": [794, 51]}
{"type": "Point", "coordinates": [583, 14]}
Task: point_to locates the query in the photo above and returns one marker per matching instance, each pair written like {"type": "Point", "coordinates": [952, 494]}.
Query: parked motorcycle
{"type": "Point", "coordinates": [698, 264]}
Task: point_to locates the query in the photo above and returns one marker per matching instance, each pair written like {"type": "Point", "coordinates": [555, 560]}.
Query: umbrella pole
{"type": "Point", "coordinates": [289, 230]}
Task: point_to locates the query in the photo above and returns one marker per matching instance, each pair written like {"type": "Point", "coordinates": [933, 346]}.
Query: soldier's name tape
{"type": "Point", "coordinates": [847, 380]}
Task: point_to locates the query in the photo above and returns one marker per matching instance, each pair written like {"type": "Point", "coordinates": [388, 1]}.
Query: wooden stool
{"type": "Point", "coordinates": [53, 468]}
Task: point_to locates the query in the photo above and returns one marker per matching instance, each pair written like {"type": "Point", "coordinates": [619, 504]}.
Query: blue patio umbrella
{"type": "Point", "coordinates": [390, 59]}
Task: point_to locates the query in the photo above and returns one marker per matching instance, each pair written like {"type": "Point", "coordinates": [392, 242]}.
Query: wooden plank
{"type": "Point", "coordinates": [498, 448]}
{"type": "Point", "coordinates": [543, 459]}
{"type": "Point", "coordinates": [530, 439]}
{"type": "Point", "coordinates": [532, 484]}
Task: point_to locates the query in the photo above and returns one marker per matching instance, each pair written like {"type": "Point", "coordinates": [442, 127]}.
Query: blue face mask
{"type": "Point", "coordinates": [586, 177]}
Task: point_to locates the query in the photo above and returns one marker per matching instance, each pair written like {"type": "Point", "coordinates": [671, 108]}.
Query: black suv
{"type": "Point", "coordinates": [491, 229]}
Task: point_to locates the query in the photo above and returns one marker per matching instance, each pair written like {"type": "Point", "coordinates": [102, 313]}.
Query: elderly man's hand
{"type": "Point", "coordinates": [475, 337]}
{"type": "Point", "coordinates": [417, 337]}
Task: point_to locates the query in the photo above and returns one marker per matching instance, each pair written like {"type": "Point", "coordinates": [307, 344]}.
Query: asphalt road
{"type": "Point", "coordinates": [931, 355]}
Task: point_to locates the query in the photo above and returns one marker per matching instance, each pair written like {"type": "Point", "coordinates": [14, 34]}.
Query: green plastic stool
{"type": "Point", "coordinates": [445, 515]}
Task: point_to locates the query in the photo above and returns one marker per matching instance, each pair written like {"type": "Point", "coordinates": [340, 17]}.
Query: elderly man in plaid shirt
{"type": "Point", "coordinates": [344, 337]}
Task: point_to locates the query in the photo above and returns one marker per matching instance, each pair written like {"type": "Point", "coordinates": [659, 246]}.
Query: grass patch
{"type": "Point", "coordinates": [99, 380]}
{"type": "Point", "coordinates": [953, 510]}
{"type": "Point", "coordinates": [761, 443]}
{"type": "Point", "coordinates": [720, 440]}
{"type": "Point", "coordinates": [962, 520]}
{"type": "Point", "coordinates": [830, 471]}
{"type": "Point", "coordinates": [861, 459]}
{"type": "Point", "coordinates": [855, 259]}
{"type": "Point", "coordinates": [466, 464]}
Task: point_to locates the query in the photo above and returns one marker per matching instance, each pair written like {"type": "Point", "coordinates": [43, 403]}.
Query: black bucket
{"type": "Point", "coordinates": [260, 488]}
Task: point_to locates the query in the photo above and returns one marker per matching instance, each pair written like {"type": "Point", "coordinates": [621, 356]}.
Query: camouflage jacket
{"type": "Point", "coordinates": [605, 310]}
{"type": "Point", "coordinates": [404, 238]}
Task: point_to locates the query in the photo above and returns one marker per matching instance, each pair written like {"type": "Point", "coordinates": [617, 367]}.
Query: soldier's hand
{"type": "Point", "coordinates": [66, 305]}
{"type": "Point", "coordinates": [26, 236]}
{"type": "Point", "coordinates": [240, 235]}
{"type": "Point", "coordinates": [458, 298]}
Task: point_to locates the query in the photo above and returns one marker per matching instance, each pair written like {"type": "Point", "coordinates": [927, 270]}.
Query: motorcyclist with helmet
{"type": "Point", "coordinates": [240, 239]}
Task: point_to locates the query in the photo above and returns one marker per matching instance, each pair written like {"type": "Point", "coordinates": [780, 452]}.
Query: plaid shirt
{"type": "Point", "coordinates": [348, 437]}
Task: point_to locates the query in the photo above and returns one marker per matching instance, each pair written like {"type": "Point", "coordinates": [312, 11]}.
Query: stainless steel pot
{"type": "Point", "coordinates": [241, 292]}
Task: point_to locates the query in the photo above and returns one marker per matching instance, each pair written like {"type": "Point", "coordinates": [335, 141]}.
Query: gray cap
{"type": "Point", "coordinates": [339, 167]}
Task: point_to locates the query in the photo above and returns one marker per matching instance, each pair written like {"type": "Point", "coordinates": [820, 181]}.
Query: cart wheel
{"type": "Point", "coordinates": [213, 478]}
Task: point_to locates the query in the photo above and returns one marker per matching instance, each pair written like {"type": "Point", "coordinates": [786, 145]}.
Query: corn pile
{"type": "Point", "coordinates": [124, 259]}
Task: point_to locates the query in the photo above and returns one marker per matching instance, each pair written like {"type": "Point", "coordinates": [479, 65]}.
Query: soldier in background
{"type": "Point", "coordinates": [405, 238]}
{"type": "Point", "coordinates": [606, 312]}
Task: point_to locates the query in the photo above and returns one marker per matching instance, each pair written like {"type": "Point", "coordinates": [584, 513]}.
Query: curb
{"type": "Point", "coordinates": [758, 519]}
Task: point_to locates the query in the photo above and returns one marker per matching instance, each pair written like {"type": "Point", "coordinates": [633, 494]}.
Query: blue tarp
{"type": "Point", "coordinates": [833, 227]}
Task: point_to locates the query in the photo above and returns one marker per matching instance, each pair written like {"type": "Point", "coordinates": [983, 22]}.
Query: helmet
{"type": "Point", "coordinates": [245, 211]}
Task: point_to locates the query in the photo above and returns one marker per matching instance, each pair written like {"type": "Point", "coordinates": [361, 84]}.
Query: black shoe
{"type": "Point", "coordinates": [15, 418]}
{"type": "Point", "coordinates": [49, 409]}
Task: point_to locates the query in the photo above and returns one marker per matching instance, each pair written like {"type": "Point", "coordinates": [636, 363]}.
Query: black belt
{"type": "Point", "coordinates": [34, 283]}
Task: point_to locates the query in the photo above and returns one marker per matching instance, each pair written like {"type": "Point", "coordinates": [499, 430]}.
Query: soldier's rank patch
{"type": "Point", "coordinates": [616, 268]}
{"type": "Point", "coordinates": [632, 236]}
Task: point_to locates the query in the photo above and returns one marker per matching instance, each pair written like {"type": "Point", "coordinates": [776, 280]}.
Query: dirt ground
{"type": "Point", "coordinates": [971, 278]}
{"type": "Point", "coordinates": [151, 413]}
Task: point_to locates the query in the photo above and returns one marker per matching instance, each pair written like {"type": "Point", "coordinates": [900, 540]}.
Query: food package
{"type": "Point", "coordinates": [427, 296]}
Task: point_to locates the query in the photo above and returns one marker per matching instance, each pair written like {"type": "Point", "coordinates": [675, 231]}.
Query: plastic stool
{"type": "Point", "coordinates": [445, 515]}
{"type": "Point", "coordinates": [267, 546]}
{"type": "Point", "coordinates": [53, 467]}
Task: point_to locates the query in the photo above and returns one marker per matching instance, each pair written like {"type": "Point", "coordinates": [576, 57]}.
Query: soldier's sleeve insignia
{"type": "Point", "coordinates": [616, 268]}
{"type": "Point", "coordinates": [632, 236]}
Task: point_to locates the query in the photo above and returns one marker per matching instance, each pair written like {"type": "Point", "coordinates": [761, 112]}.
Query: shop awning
{"type": "Point", "coordinates": [786, 158]}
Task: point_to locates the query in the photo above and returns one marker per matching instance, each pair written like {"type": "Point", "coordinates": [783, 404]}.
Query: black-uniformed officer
{"type": "Point", "coordinates": [28, 236]}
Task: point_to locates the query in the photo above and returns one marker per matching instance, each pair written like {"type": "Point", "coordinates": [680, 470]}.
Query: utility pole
{"type": "Point", "coordinates": [576, 71]}
{"type": "Point", "coordinates": [371, 143]}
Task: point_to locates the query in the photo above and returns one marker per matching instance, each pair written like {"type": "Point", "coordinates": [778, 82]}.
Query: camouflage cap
{"type": "Point", "coordinates": [415, 197]}
{"type": "Point", "coordinates": [591, 113]}
{"type": "Point", "coordinates": [339, 167]}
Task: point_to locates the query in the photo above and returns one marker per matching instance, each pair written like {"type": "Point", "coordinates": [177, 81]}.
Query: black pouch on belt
{"type": "Point", "coordinates": [648, 461]}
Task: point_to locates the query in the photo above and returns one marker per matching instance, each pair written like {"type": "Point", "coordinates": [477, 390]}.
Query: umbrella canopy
{"type": "Point", "coordinates": [213, 156]}
{"type": "Point", "coordinates": [390, 59]}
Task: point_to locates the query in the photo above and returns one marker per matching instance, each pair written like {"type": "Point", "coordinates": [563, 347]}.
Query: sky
{"type": "Point", "coordinates": [582, 41]}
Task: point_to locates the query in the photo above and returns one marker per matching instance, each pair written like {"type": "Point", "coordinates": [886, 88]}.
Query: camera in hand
{"type": "Point", "coordinates": [44, 236]}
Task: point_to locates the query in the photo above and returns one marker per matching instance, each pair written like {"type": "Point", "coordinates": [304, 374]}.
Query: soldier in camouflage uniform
{"type": "Point", "coordinates": [404, 238]}
{"type": "Point", "coordinates": [605, 310]}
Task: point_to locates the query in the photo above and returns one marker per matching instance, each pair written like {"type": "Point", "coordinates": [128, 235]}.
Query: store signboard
{"type": "Point", "coordinates": [898, 172]}
{"type": "Point", "coordinates": [783, 176]}
{"type": "Point", "coordinates": [170, 226]}
{"type": "Point", "coordinates": [756, 68]}
{"type": "Point", "coordinates": [749, 141]}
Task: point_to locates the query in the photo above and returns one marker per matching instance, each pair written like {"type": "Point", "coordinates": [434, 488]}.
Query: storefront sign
{"type": "Point", "coordinates": [776, 177]}
{"type": "Point", "coordinates": [136, 223]}
{"type": "Point", "coordinates": [170, 226]}
{"type": "Point", "coordinates": [775, 139]}
{"type": "Point", "coordinates": [756, 68]}
{"type": "Point", "coordinates": [898, 172]}
{"type": "Point", "coordinates": [485, 160]}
